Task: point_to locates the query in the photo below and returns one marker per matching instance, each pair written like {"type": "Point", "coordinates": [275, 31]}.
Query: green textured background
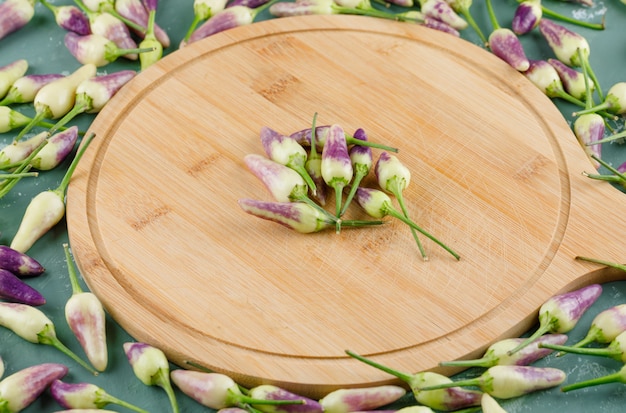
{"type": "Point", "coordinates": [41, 43]}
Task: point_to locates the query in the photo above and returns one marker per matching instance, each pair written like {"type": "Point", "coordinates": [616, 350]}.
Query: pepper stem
{"type": "Point", "coordinates": [306, 176]}
{"type": "Point", "coordinates": [611, 138]}
{"type": "Point", "coordinates": [458, 383]}
{"type": "Point", "coordinates": [397, 192]}
{"type": "Point", "coordinates": [162, 379]}
{"type": "Point", "coordinates": [68, 174]}
{"type": "Point", "coordinates": [601, 352]}
{"type": "Point", "coordinates": [396, 214]}
{"type": "Point", "coordinates": [83, 104]}
{"type": "Point", "coordinates": [617, 177]}
{"type": "Point", "coordinates": [76, 288]}
{"type": "Point", "coordinates": [551, 13]}
{"type": "Point", "coordinates": [607, 263]}
{"type": "Point", "coordinates": [360, 172]}
{"type": "Point", "coordinates": [407, 378]}
{"type": "Point", "coordinates": [104, 398]}
{"type": "Point", "coordinates": [360, 223]}
{"type": "Point", "coordinates": [112, 52]}
{"type": "Point", "coordinates": [372, 12]}
{"type": "Point", "coordinates": [611, 378]}
{"type": "Point", "coordinates": [481, 362]}
{"type": "Point", "coordinates": [587, 66]}
{"type": "Point", "coordinates": [544, 327]}
{"type": "Point", "coordinates": [492, 15]}
{"type": "Point", "coordinates": [351, 140]}
{"type": "Point", "coordinates": [48, 337]}
{"type": "Point", "coordinates": [17, 175]}
{"type": "Point", "coordinates": [33, 122]}
{"type": "Point", "coordinates": [465, 12]}
{"type": "Point", "coordinates": [589, 338]}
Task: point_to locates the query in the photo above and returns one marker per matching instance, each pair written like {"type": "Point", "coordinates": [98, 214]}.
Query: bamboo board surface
{"type": "Point", "coordinates": [157, 233]}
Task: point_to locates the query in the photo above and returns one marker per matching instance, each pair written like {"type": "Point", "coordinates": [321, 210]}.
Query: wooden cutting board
{"type": "Point", "coordinates": [496, 174]}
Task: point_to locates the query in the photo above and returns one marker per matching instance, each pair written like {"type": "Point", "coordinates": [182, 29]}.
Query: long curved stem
{"type": "Point", "coordinates": [551, 13]}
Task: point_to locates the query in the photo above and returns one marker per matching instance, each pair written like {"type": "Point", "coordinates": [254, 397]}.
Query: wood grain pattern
{"type": "Point", "coordinates": [496, 174]}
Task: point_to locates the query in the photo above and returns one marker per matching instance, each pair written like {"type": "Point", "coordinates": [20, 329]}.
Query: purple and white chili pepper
{"type": "Point", "coordinates": [15, 14]}
{"type": "Point", "coordinates": [506, 382]}
{"type": "Point", "coordinates": [22, 388]}
{"type": "Point", "coordinates": [19, 263]}
{"type": "Point", "coordinates": [445, 399]}
{"type": "Point", "coordinates": [69, 17]}
{"type": "Point", "coordinates": [86, 318]}
{"type": "Point", "coordinates": [14, 290]}
{"type": "Point", "coordinates": [26, 87]}
{"type": "Point", "coordinates": [378, 204]}
{"type": "Point", "coordinates": [561, 313]}
{"type": "Point", "coordinates": [498, 353]}
{"type": "Point", "coordinates": [10, 73]}
{"type": "Point", "coordinates": [218, 391]}
{"type": "Point", "coordinates": [86, 396]}
{"type": "Point", "coordinates": [361, 399]}
{"type": "Point", "coordinates": [152, 368]}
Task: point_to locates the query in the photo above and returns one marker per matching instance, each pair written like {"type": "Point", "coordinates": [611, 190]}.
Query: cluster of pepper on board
{"type": "Point", "coordinates": [102, 32]}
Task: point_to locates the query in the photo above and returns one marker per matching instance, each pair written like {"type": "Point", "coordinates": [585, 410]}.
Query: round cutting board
{"type": "Point", "coordinates": [157, 232]}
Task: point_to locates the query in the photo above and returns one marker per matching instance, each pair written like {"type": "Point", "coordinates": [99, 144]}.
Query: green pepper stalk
{"type": "Point", "coordinates": [498, 353]}
{"type": "Point", "coordinates": [618, 176]}
{"type": "Point", "coordinates": [448, 399]}
{"type": "Point", "coordinates": [152, 368]}
{"type": "Point", "coordinates": [560, 313]}
{"type": "Point", "coordinates": [304, 138]}
{"type": "Point", "coordinates": [313, 166]}
{"type": "Point", "coordinates": [463, 8]}
{"type": "Point", "coordinates": [618, 377]}
{"type": "Point", "coordinates": [377, 204]}
{"type": "Point", "coordinates": [361, 158]}
{"type": "Point", "coordinates": [566, 45]}
{"type": "Point", "coordinates": [285, 184]}
{"type": "Point", "coordinates": [551, 13]}
{"type": "Point", "coordinates": [219, 391]}
{"type": "Point", "coordinates": [298, 216]}
{"type": "Point", "coordinates": [393, 177]}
